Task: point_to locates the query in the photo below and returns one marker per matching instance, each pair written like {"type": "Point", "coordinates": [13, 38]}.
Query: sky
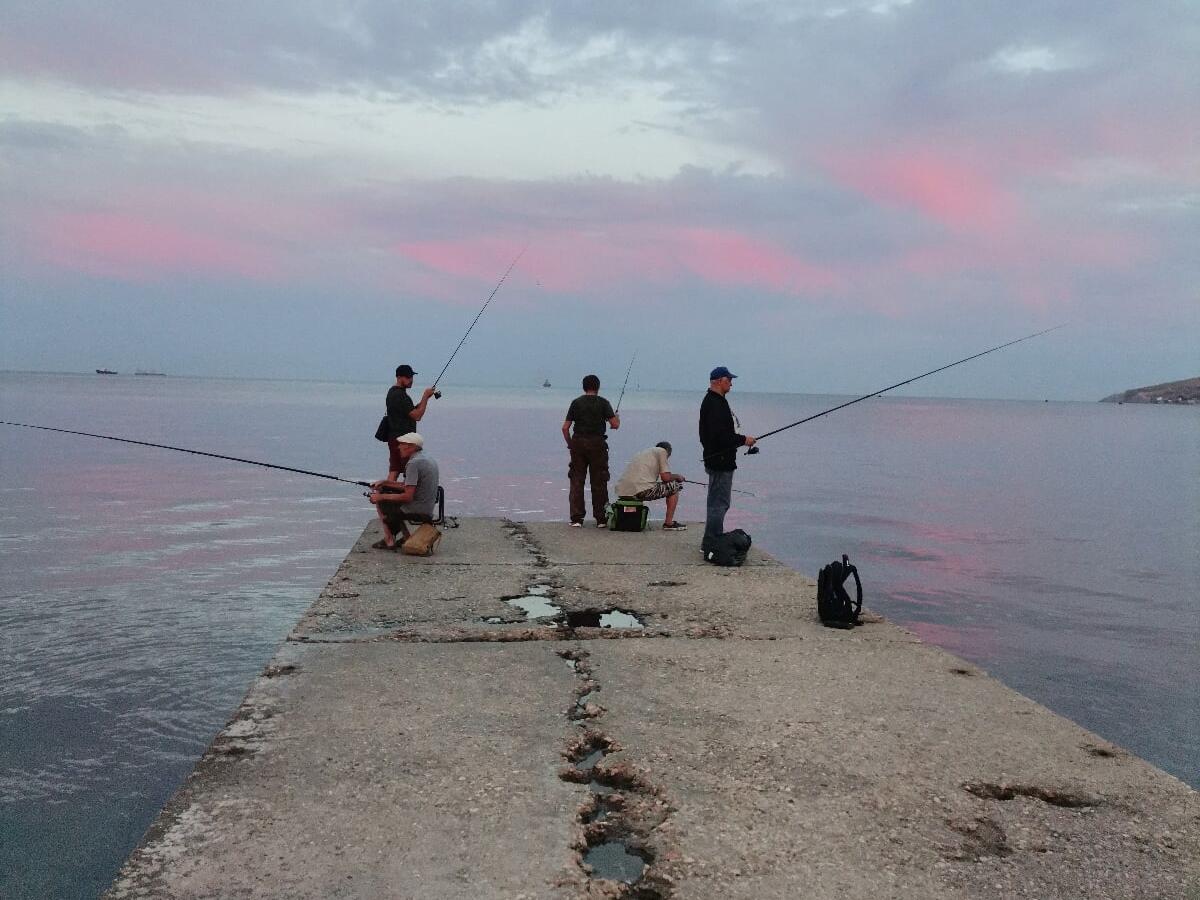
{"type": "Point", "coordinates": [825, 197]}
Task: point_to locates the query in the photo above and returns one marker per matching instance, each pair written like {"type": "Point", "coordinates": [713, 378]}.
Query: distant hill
{"type": "Point", "coordinates": [1186, 391]}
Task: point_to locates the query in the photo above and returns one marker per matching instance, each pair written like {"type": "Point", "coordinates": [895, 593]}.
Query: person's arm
{"type": "Point", "coordinates": [418, 411]}
{"type": "Point", "coordinates": [732, 439]}
{"type": "Point", "coordinates": [668, 477]}
{"type": "Point", "coordinates": [614, 421]}
{"type": "Point", "coordinates": [389, 483]}
{"type": "Point", "coordinates": [403, 496]}
{"type": "Point", "coordinates": [568, 421]}
{"type": "Point", "coordinates": [716, 429]}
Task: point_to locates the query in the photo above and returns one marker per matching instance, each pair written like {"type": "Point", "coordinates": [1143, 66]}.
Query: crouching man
{"type": "Point", "coordinates": [648, 478]}
{"type": "Point", "coordinates": [412, 500]}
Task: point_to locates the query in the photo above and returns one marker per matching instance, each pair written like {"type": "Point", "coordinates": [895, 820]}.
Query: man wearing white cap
{"type": "Point", "coordinates": [411, 500]}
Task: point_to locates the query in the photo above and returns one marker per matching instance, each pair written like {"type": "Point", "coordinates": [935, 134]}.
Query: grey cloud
{"type": "Point", "coordinates": [23, 135]}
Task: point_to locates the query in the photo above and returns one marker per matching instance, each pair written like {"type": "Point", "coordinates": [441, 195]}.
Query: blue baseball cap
{"type": "Point", "coordinates": [720, 372]}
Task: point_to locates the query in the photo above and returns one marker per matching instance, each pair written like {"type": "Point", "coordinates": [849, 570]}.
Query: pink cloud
{"type": "Point", "coordinates": [579, 261]}
{"type": "Point", "coordinates": [136, 248]}
{"type": "Point", "coordinates": [957, 196]}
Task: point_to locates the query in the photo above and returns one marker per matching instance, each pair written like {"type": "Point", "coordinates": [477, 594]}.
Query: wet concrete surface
{"type": "Point", "coordinates": [399, 745]}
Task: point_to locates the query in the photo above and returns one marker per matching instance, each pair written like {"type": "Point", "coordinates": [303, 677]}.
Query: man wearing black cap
{"type": "Point", "coordinates": [403, 416]}
{"type": "Point", "coordinates": [720, 441]}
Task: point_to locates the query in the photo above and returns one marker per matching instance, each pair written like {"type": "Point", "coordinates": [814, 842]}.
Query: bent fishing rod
{"type": "Point", "coordinates": [252, 462]}
{"type": "Point", "coordinates": [626, 384]}
{"type": "Point", "coordinates": [831, 409]}
{"type": "Point", "coordinates": [436, 392]}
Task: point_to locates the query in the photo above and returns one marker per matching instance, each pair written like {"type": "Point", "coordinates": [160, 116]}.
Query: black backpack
{"type": "Point", "coordinates": [384, 431]}
{"type": "Point", "coordinates": [729, 549]}
{"type": "Point", "coordinates": [834, 605]}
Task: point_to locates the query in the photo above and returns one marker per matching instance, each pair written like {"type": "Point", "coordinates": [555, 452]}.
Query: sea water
{"type": "Point", "coordinates": [141, 590]}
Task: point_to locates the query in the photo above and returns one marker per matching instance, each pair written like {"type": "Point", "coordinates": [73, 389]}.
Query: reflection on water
{"type": "Point", "coordinates": [141, 590]}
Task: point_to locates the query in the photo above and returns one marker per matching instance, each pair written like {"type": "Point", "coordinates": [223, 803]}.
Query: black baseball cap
{"type": "Point", "coordinates": [405, 371]}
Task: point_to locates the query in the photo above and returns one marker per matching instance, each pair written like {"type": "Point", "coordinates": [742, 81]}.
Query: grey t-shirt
{"type": "Point", "coordinates": [422, 473]}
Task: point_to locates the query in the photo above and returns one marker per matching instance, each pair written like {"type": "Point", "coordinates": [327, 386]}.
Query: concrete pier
{"type": "Point", "coordinates": [418, 736]}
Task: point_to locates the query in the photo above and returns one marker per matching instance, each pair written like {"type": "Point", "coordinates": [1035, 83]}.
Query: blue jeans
{"type": "Point", "coordinates": [720, 490]}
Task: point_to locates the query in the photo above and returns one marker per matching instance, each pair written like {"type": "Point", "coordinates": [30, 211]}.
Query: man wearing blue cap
{"type": "Point", "coordinates": [720, 441]}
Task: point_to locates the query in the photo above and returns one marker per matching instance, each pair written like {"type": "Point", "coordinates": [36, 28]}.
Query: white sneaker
{"type": "Point", "coordinates": [576, 524]}
{"type": "Point", "coordinates": [601, 524]}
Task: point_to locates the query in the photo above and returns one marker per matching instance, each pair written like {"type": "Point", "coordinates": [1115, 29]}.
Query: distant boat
{"type": "Point", "coordinates": [546, 383]}
{"type": "Point", "coordinates": [141, 372]}
{"type": "Point", "coordinates": [106, 372]}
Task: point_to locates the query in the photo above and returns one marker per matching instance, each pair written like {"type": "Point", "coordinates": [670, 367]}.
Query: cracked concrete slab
{"type": "Point", "coordinates": [398, 746]}
{"type": "Point", "coordinates": [372, 597]}
{"type": "Point", "coordinates": [373, 770]}
{"type": "Point", "coordinates": [797, 768]}
{"type": "Point", "coordinates": [762, 602]}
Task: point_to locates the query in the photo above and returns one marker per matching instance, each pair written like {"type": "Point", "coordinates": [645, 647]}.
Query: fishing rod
{"type": "Point", "coordinates": [626, 384]}
{"type": "Point", "coordinates": [253, 462]}
{"type": "Point", "coordinates": [436, 392]}
{"type": "Point", "coordinates": [705, 484]}
{"type": "Point", "coordinates": [958, 362]}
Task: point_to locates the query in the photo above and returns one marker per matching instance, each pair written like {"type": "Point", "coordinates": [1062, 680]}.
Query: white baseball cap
{"type": "Point", "coordinates": [411, 438]}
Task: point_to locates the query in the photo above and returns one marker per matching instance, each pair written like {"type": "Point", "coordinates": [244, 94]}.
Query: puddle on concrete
{"type": "Point", "coordinates": [590, 760]}
{"type": "Point", "coordinates": [599, 814]}
{"type": "Point", "coordinates": [604, 618]}
{"type": "Point", "coordinates": [493, 620]}
{"type": "Point", "coordinates": [535, 607]}
{"type": "Point", "coordinates": [539, 590]}
{"type": "Point", "coordinates": [612, 860]}
{"type": "Point", "coordinates": [602, 789]}
{"type": "Point", "coordinates": [620, 619]}
{"type": "Point", "coordinates": [571, 665]}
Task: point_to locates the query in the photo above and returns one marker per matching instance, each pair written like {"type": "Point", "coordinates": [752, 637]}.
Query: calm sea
{"type": "Point", "coordinates": [1054, 544]}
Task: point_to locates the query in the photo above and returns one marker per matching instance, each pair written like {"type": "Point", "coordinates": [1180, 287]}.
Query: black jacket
{"type": "Point", "coordinates": [717, 435]}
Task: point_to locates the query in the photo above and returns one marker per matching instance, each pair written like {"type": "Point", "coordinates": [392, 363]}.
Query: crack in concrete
{"type": "Point", "coordinates": [616, 841]}
{"type": "Point", "coordinates": [988, 791]}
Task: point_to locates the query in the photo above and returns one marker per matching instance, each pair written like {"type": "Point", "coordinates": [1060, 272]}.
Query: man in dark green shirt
{"type": "Point", "coordinates": [589, 413]}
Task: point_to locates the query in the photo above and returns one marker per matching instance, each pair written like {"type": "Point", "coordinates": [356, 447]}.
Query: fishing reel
{"type": "Point", "coordinates": [750, 451]}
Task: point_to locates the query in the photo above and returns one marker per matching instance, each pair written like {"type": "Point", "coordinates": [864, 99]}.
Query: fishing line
{"type": "Point", "coordinates": [958, 362]}
{"type": "Point", "coordinates": [705, 484]}
{"type": "Point", "coordinates": [436, 392]}
{"type": "Point", "coordinates": [626, 384]}
{"type": "Point", "coordinates": [252, 462]}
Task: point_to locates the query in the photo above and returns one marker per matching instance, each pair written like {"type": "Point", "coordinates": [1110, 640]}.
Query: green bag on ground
{"type": "Point", "coordinates": [628, 514]}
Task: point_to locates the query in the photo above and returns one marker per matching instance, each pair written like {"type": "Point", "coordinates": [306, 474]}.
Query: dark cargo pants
{"type": "Point", "coordinates": [589, 458]}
